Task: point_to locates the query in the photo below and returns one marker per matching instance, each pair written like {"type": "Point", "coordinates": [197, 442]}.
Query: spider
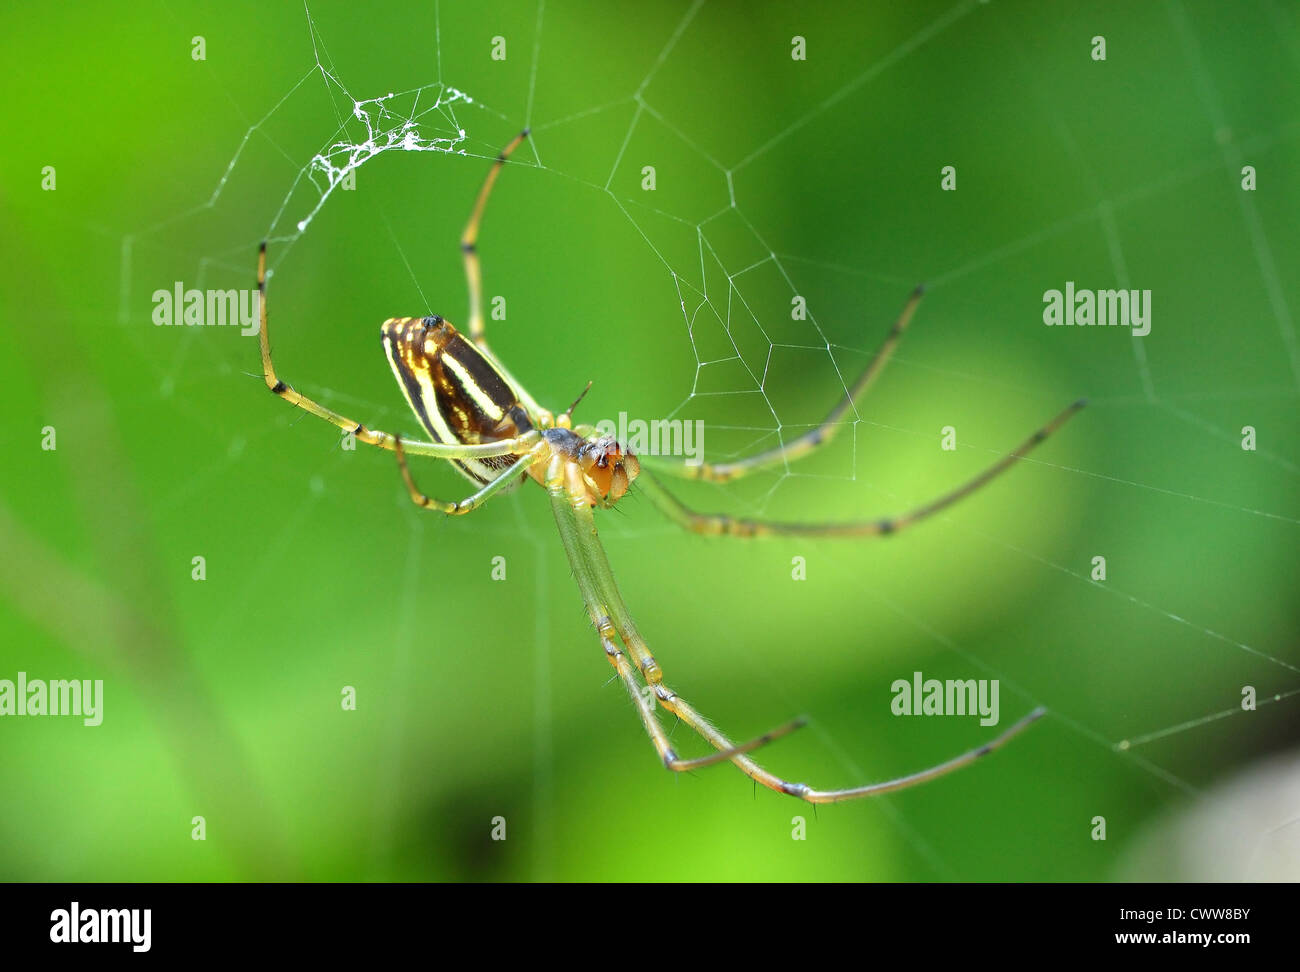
{"type": "Point", "coordinates": [479, 418]}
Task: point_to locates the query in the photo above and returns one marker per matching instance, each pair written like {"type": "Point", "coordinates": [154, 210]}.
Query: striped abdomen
{"type": "Point", "coordinates": [458, 392]}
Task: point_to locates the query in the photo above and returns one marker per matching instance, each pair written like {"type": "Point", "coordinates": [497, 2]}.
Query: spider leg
{"type": "Point", "coordinates": [679, 707]}
{"type": "Point", "coordinates": [656, 732]}
{"type": "Point", "coordinates": [474, 274]}
{"type": "Point", "coordinates": [577, 525]}
{"type": "Point", "coordinates": [374, 437]}
{"type": "Point", "coordinates": [712, 524]}
{"type": "Point", "coordinates": [565, 503]}
{"type": "Point", "coordinates": [469, 243]}
{"type": "Point", "coordinates": [803, 444]}
{"type": "Point", "coordinates": [470, 503]}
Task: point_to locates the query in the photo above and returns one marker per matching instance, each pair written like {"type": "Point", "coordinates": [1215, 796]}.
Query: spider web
{"type": "Point", "coordinates": [727, 276]}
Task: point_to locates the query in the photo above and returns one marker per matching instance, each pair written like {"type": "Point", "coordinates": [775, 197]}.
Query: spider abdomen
{"type": "Point", "coordinates": [455, 389]}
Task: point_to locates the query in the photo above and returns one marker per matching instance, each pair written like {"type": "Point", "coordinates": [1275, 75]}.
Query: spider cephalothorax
{"type": "Point", "coordinates": [600, 469]}
{"type": "Point", "coordinates": [485, 423]}
{"type": "Point", "coordinates": [607, 468]}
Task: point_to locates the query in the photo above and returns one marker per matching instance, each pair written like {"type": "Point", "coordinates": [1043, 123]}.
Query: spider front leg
{"type": "Point", "coordinates": [374, 437]}
{"type": "Point", "coordinates": [802, 445]}
{"type": "Point", "coordinates": [656, 732]}
{"type": "Point", "coordinates": [715, 524]}
{"type": "Point", "coordinates": [803, 791]}
{"type": "Point", "coordinates": [573, 515]}
{"type": "Point", "coordinates": [564, 485]}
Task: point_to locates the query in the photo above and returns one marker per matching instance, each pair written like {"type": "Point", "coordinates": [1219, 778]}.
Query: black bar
{"type": "Point", "coordinates": [749, 921]}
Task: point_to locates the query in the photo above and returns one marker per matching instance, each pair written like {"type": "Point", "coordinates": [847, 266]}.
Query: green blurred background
{"type": "Point", "coordinates": [482, 698]}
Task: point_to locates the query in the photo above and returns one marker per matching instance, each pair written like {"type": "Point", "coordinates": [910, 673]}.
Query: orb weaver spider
{"type": "Point", "coordinates": [482, 420]}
